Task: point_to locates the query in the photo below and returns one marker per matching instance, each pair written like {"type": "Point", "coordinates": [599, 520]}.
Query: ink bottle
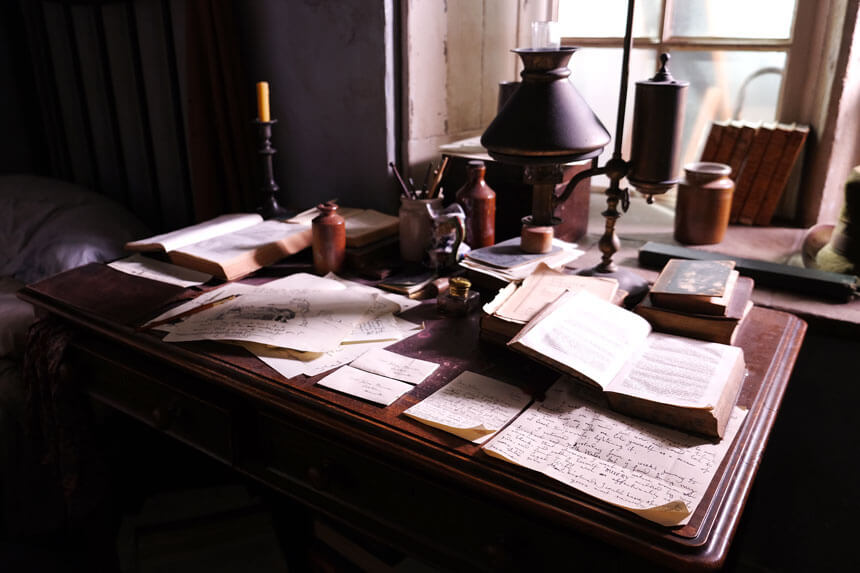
{"type": "Point", "coordinates": [459, 299]}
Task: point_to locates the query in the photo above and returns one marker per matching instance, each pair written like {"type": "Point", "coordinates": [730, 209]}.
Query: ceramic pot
{"type": "Point", "coordinates": [704, 203]}
{"type": "Point", "coordinates": [328, 239]}
{"type": "Point", "coordinates": [479, 203]}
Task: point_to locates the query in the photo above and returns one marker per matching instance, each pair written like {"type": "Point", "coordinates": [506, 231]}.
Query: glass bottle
{"type": "Point", "coordinates": [459, 299]}
{"type": "Point", "coordinates": [328, 239]}
{"type": "Point", "coordinates": [479, 203]}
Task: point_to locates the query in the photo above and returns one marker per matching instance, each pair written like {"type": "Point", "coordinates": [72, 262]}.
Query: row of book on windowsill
{"type": "Point", "coordinates": [671, 360]}
{"type": "Point", "coordinates": [762, 157]}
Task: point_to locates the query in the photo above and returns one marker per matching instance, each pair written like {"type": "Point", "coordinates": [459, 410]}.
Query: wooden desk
{"type": "Point", "coordinates": [421, 490]}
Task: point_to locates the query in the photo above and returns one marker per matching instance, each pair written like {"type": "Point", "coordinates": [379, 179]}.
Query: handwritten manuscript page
{"type": "Point", "coordinates": [658, 473]}
{"type": "Point", "coordinates": [471, 406]}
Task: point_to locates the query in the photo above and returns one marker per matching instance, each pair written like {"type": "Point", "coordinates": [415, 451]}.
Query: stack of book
{"type": "Point", "coordinates": [762, 157]}
{"type": "Point", "coordinates": [707, 300]}
{"type": "Point", "coordinates": [515, 305]}
{"type": "Point", "coordinates": [496, 266]}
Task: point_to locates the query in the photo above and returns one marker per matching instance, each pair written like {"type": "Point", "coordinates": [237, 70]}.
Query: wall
{"type": "Point", "coordinates": [459, 50]}
{"type": "Point", "coordinates": [330, 67]}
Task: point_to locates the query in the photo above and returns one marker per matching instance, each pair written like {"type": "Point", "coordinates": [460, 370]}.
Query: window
{"type": "Point", "coordinates": [734, 64]}
{"type": "Point", "coordinates": [728, 49]}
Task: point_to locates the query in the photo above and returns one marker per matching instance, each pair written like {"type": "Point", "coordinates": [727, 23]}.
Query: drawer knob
{"type": "Point", "coordinates": [164, 416]}
{"type": "Point", "coordinates": [319, 475]}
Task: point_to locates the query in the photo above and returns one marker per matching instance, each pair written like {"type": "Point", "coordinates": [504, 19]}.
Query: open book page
{"type": "Point", "coordinates": [225, 248]}
{"type": "Point", "coordinates": [194, 234]}
{"type": "Point", "coordinates": [365, 385]}
{"type": "Point", "coordinates": [471, 406]}
{"type": "Point", "coordinates": [658, 473]}
{"type": "Point", "coordinates": [544, 286]}
{"type": "Point", "coordinates": [393, 365]}
{"type": "Point", "coordinates": [305, 320]}
{"type": "Point", "coordinates": [584, 336]}
{"type": "Point", "coordinates": [679, 371]}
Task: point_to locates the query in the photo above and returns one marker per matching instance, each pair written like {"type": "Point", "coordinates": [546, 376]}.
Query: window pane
{"type": "Point", "coordinates": [733, 18]}
{"type": "Point", "coordinates": [726, 85]}
{"type": "Point", "coordinates": [723, 85]}
{"type": "Point", "coordinates": [596, 73]}
{"type": "Point", "coordinates": [581, 18]}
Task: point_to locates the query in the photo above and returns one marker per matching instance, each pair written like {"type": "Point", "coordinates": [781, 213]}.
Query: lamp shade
{"type": "Point", "coordinates": [546, 120]}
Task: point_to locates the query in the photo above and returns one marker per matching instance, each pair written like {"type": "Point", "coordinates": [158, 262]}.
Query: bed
{"type": "Point", "coordinates": [47, 226]}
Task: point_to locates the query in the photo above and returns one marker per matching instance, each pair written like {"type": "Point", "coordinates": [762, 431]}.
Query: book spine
{"type": "Point", "coordinates": [712, 143]}
{"type": "Point", "coordinates": [793, 146]}
{"type": "Point", "coordinates": [765, 174]}
{"type": "Point", "coordinates": [728, 140]}
{"type": "Point", "coordinates": [741, 149]}
{"type": "Point", "coordinates": [748, 172]}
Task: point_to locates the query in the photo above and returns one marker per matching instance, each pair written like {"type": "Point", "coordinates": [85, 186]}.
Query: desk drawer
{"type": "Point", "coordinates": [199, 423]}
{"type": "Point", "coordinates": [403, 507]}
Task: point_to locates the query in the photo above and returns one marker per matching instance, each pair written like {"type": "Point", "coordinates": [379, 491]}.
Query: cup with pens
{"type": "Point", "coordinates": [416, 228]}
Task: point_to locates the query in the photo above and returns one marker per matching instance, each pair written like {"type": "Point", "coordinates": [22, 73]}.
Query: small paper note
{"type": "Point", "coordinates": [471, 406]}
{"type": "Point", "coordinates": [285, 362]}
{"type": "Point", "coordinates": [393, 365]}
{"type": "Point", "coordinates": [146, 267]}
{"type": "Point", "coordinates": [366, 385]}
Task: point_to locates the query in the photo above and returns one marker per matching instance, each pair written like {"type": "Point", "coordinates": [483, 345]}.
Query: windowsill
{"type": "Point", "coordinates": [643, 223]}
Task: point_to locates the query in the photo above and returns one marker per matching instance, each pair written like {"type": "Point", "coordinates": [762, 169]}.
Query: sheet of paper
{"type": "Point", "coordinates": [403, 302]}
{"type": "Point", "coordinates": [658, 473]}
{"type": "Point", "coordinates": [146, 267]}
{"type": "Point", "coordinates": [365, 385]}
{"type": "Point", "coordinates": [306, 320]}
{"type": "Point", "coordinates": [199, 232]}
{"type": "Point", "coordinates": [471, 406]}
{"type": "Point", "coordinates": [393, 365]}
{"type": "Point", "coordinates": [286, 363]}
{"type": "Point", "coordinates": [544, 286]}
{"type": "Point", "coordinates": [223, 292]}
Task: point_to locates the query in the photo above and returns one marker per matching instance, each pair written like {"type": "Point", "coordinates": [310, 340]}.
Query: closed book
{"type": "Point", "coordinates": [712, 143]}
{"type": "Point", "coordinates": [741, 149]}
{"type": "Point", "coordinates": [702, 287]}
{"type": "Point", "coordinates": [746, 176]}
{"type": "Point", "coordinates": [765, 174]}
{"type": "Point", "coordinates": [792, 150]}
{"type": "Point", "coordinates": [728, 142]}
{"type": "Point", "coordinates": [721, 328]}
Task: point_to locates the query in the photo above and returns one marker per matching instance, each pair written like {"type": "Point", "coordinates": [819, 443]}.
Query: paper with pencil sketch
{"type": "Point", "coordinates": [307, 320]}
{"type": "Point", "coordinates": [365, 385]}
{"type": "Point", "coordinates": [471, 406]}
{"type": "Point", "coordinates": [658, 473]}
{"type": "Point", "coordinates": [393, 365]}
{"type": "Point", "coordinates": [210, 296]}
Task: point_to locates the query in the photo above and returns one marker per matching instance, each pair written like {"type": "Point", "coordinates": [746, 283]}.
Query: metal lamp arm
{"type": "Point", "coordinates": [575, 180]}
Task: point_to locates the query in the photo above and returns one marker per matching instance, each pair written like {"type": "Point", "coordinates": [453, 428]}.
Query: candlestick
{"type": "Point", "coordinates": [270, 208]}
{"type": "Point", "coordinates": [263, 101]}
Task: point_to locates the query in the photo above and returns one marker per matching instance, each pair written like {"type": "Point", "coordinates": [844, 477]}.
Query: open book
{"type": "Point", "coordinates": [229, 246]}
{"type": "Point", "coordinates": [680, 382]}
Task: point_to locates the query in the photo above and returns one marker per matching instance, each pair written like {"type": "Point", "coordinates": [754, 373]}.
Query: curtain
{"type": "Point", "coordinates": [221, 139]}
